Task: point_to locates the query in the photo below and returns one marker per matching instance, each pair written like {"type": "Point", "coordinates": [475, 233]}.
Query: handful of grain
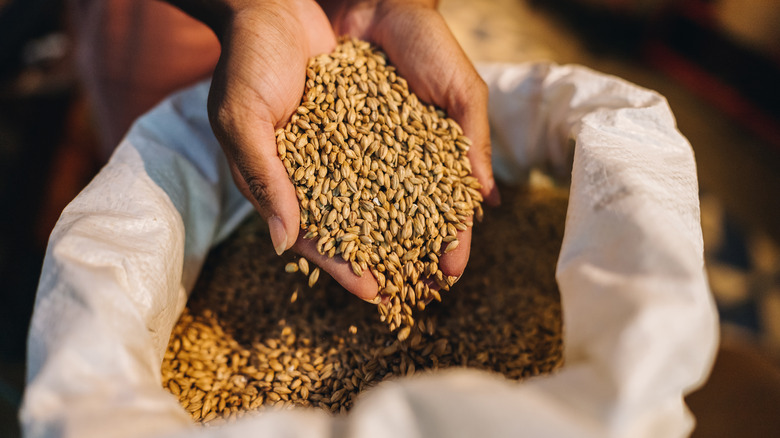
{"type": "Point", "coordinates": [383, 180]}
{"type": "Point", "coordinates": [254, 337]}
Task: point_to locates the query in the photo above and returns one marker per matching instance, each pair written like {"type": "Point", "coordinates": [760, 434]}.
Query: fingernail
{"type": "Point", "coordinates": [278, 235]}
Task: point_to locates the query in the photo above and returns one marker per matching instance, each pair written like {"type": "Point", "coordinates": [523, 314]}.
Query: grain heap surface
{"type": "Point", "coordinates": [254, 336]}
{"type": "Point", "coordinates": [383, 181]}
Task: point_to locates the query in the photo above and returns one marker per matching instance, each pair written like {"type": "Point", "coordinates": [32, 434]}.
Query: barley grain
{"type": "Point", "coordinates": [364, 159]}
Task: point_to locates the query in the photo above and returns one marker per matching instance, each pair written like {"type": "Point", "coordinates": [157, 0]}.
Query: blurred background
{"type": "Point", "coordinates": [716, 61]}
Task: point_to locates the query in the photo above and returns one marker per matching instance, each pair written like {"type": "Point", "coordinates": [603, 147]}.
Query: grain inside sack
{"type": "Point", "coordinates": [254, 336]}
{"type": "Point", "coordinates": [384, 183]}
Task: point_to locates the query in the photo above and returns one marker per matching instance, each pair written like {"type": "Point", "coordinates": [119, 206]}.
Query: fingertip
{"type": "Point", "coordinates": [366, 288]}
{"type": "Point", "coordinates": [454, 262]}
{"type": "Point", "coordinates": [292, 231]}
{"type": "Point", "coordinates": [278, 234]}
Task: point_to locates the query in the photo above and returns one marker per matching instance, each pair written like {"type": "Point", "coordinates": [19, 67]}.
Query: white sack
{"type": "Point", "coordinates": [640, 324]}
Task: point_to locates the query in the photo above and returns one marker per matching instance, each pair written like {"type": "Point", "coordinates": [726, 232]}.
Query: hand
{"type": "Point", "coordinates": [257, 85]}
{"type": "Point", "coordinates": [419, 43]}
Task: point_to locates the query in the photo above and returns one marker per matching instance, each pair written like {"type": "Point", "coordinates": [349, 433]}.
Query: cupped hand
{"type": "Point", "coordinates": [257, 85]}
{"type": "Point", "coordinates": [418, 42]}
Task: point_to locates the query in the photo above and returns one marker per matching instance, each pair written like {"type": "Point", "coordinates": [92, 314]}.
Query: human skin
{"type": "Point", "coordinates": [258, 83]}
{"type": "Point", "coordinates": [131, 54]}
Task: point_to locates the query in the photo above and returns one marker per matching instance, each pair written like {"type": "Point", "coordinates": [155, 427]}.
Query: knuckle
{"type": "Point", "coordinates": [258, 189]}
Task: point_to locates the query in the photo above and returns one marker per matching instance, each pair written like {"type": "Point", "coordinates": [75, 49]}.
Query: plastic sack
{"type": "Point", "coordinates": [640, 327]}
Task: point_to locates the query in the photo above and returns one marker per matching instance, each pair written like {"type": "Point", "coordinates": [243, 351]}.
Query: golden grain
{"type": "Point", "coordinates": [363, 154]}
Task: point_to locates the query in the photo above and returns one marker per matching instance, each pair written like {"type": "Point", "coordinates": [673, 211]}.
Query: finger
{"type": "Point", "coordinates": [470, 110]}
{"type": "Point", "coordinates": [364, 287]}
{"type": "Point", "coordinates": [262, 178]}
{"type": "Point", "coordinates": [454, 262]}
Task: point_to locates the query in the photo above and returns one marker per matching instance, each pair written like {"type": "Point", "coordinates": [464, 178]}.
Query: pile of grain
{"type": "Point", "coordinates": [254, 336]}
{"type": "Point", "coordinates": [383, 180]}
